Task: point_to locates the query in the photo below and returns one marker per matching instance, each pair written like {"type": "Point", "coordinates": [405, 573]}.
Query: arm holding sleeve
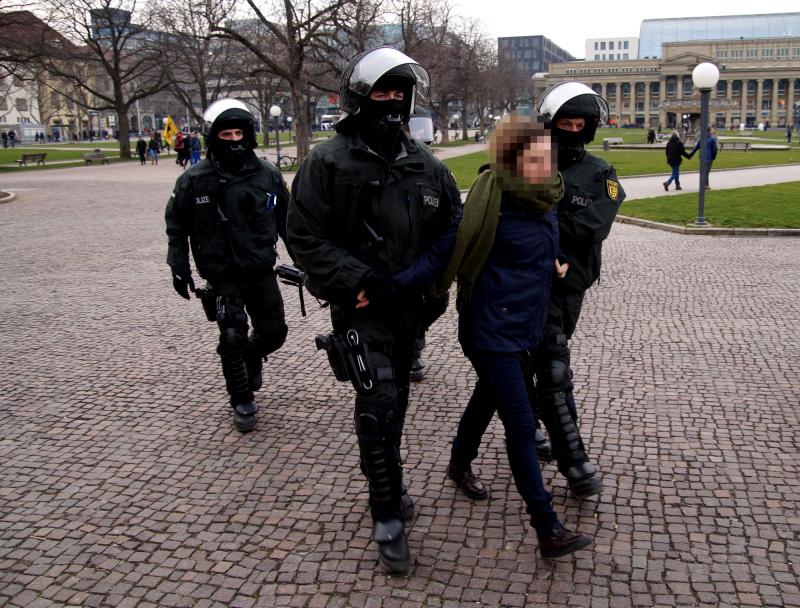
{"type": "Point", "coordinates": [332, 272]}
{"type": "Point", "coordinates": [177, 231]}
{"type": "Point", "coordinates": [431, 264]}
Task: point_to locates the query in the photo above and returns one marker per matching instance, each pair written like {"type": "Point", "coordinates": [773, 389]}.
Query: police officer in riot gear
{"type": "Point", "coordinates": [229, 209]}
{"type": "Point", "coordinates": [365, 204]}
{"type": "Point", "coordinates": [585, 215]}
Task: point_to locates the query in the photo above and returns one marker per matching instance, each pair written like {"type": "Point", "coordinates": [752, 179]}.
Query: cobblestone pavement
{"type": "Point", "coordinates": [123, 482]}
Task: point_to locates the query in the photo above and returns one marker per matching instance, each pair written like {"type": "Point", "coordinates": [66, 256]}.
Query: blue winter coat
{"type": "Point", "coordinates": [508, 306]}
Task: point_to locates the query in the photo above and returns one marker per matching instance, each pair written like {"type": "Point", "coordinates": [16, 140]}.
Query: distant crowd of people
{"type": "Point", "coordinates": [188, 148]}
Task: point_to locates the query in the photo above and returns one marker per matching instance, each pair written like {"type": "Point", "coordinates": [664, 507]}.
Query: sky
{"type": "Point", "coordinates": [570, 28]}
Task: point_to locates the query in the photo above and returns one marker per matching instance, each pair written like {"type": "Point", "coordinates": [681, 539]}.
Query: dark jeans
{"type": "Point", "coordinates": [676, 175]}
{"type": "Point", "coordinates": [502, 386]}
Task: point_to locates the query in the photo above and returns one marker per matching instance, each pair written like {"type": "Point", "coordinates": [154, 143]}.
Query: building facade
{"type": "Point", "coordinates": [654, 33]}
{"type": "Point", "coordinates": [759, 83]}
{"type": "Point", "coordinates": [532, 53]}
{"type": "Point", "coordinates": [612, 49]}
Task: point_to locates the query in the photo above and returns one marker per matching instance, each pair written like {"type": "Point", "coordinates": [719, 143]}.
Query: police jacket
{"type": "Point", "coordinates": [232, 222]}
{"type": "Point", "coordinates": [592, 196]}
{"type": "Point", "coordinates": [352, 212]}
{"type": "Point", "coordinates": [675, 150]}
{"type": "Point", "coordinates": [508, 305]}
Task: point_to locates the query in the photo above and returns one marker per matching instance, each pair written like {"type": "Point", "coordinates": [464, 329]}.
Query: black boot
{"type": "Point", "coordinates": [244, 416]}
{"type": "Point", "coordinates": [406, 503]}
{"type": "Point", "coordinates": [255, 367]}
{"type": "Point", "coordinates": [543, 448]}
{"type": "Point", "coordinates": [393, 552]}
{"type": "Point", "coordinates": [417, 372]}
{"type": "Point", "coordinates": [562, 542]}
{"type": "Point", "coordinates": [583, 481]}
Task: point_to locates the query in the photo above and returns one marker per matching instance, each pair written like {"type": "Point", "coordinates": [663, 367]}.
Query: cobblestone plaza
{"type": "Point", "coordinates": [123, 482]}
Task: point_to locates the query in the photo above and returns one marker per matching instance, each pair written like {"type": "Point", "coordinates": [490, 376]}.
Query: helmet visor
{"type": "Point", "coordinates": [376, 63]}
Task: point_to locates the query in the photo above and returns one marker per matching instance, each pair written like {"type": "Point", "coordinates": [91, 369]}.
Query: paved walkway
{"type": "Point", "coordinates": [123, 483]}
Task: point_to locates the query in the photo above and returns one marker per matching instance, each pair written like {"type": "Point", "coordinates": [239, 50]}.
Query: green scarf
{"type": "Point", "coordinates": [481, 214]}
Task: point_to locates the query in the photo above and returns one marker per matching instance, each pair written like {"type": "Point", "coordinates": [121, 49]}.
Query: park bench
{"type": "Point", "coordinates": [97, 155]}
{"type": "Point", "coordinates": [612, 141]}
{"type": "Point", "coordinates": [734, 145]}
{"type": "Point", "coordinates": [38, 158]}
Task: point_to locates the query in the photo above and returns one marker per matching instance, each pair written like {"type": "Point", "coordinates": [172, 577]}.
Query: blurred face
{"type": "Point", "coordinates": [231, 134]}
{"type": "Point", "coordinates": [535, 161]}
{"type": "Point", "coordinates": [570, 124]}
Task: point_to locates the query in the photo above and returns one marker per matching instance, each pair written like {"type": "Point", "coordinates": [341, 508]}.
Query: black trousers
{"type": "Point", "coordinates": [380, 410]}
{"type": "Point", "coordinates": [258, 298]}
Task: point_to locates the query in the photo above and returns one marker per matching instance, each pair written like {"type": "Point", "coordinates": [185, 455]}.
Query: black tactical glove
{"type": "Point", "coordinates": [378, 288]}
{"type": "Point", "coordinates": [183, 283]}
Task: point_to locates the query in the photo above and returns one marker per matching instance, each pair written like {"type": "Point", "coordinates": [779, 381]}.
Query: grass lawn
{"type": "Point", "coordinates": [640, 162]}
{"type": "Point", "coordinates": [774, 206]}
{"type": "Point", "coordinates": [9, 155]}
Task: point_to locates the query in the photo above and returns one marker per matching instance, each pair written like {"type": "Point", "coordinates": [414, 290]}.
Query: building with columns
{"type": "Point", "coordinates": [759, 83]}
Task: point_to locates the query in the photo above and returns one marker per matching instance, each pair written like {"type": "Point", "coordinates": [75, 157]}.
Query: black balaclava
{"type": "Point", "coordinates": [232, 155]}
{"type": "Point", "coordinates": [380, 122]}
{"type": "Point", "coordinates": [571, 143]}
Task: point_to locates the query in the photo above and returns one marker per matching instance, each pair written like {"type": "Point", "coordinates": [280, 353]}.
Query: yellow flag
{"type": "Point", "coordinates": [170, 130]}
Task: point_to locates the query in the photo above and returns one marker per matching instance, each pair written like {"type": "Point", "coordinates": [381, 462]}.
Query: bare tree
{"type": "Point", "coordinates": [296, 29]}
{"type": "Point", "coordinates": [114, 63]}
{"type": "Point", "coordinates": [202, 68]}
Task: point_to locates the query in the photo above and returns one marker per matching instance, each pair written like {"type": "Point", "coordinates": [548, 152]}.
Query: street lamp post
{"type": "Point", "coordinates": [275, 112]}
{"type": "Point", "coordinates": [705, 77]}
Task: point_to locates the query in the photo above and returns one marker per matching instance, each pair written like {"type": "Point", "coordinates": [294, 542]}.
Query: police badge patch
{"type": "Point", "coordinates": [612, 188]}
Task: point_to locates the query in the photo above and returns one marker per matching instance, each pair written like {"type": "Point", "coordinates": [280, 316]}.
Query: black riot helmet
{"type": "Point", "coordinates": [389, 69]}
{"type": "Point", "coordinates": [229, 114]}
{"type": "Point", "coordinates": [572, 100]}
{"type": "Point", "coordinates": [226, 114]}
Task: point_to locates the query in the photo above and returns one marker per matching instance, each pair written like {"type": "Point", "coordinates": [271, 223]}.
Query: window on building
{"type": "Point", "coordinates": [654, 106]}
{"type": "Point", "coordinates": [625, 45]}
{"type": "Point", "coordinates": [626, 89]}
{"type": "Point", "coordinates": [672, 86]}
{"type": "Point", "coordinates": [639, 106]}
{"type": "Point", "coordinates": [604, 56]}
{"type": "Point", "coordinates": [752, 53]}
{"type": "Point", "coordinates": [655, 89]}
{"type": "Point", "coordinates": [736, 88]}
{"type": "Point", "coordinates": [783, 53]}
{"type": "Point", "coordinates": [602, 46]}
{"type": "Point", "coordinates": [640, 86]}
{"type": "Point", "coordinates": [596, 46]}
{"type": "Point", "coordinates": [21, 104]}
{"type": "Point", "coordinates": [751, 87]}
{"type": "Point", "coordinates": [796, 86]}
{"type": "Point", "coordinates": [597, 57]}
{"type": "Point", "coordinates": [782, 86]}
{"type": "Point", "coordinates": [722, 88]}
{"type": "Point", "coordinates": [796, 52]}
{"type": "Point", "coordinates": [722, 53]}
{"type": "Point", "coordinates": [611, 89]}
{"type": "Point", "coordinates": [688, 86]}
{"type": "Point", "coordinates": [767, 87]}
{"type": "Point", "coordinates": [625, 55]}
{"type": "Point", "coordinates": [611, 45]}
{"type": "Point", "coordinates": [766, 104]}
{"type": "Point", "coordinates": [766, 52]}
{"type": "Point", "coordinates": [736, 53]}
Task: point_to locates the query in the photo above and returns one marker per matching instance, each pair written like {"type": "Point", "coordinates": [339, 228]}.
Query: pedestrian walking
{"type": "Point", "coordinates": [504, 259]}
{"type": "Point", "coordinates": [141, 150]}
{"type": "Point", "coordinates": [194, 148]}
{"type": "Point", "coordinates": [12, 137]}
{"type": "Point", "coordinates": [789, 133]}
{"type": "Point", "coordinates": [712, 147]}
{"type": "Point", "coordinates": [365, 204]}
{"type": "Point", "coordinates": [154, 147]}
{"type": "Point", "coordinates": [230, 208]}
{"type": "Point", "coordinates": [676, 152]}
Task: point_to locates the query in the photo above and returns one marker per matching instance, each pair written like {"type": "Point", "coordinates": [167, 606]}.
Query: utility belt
{"type": "Point", "coordinates": [350, 359]}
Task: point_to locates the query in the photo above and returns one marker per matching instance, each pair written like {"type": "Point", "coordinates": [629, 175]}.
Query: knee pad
{"type": "Point", "coordinates": [376, 420]}
{"type": "Point", "coordinates": [232, 341]}
{"type": "Point", "coordinates": [263, 343]}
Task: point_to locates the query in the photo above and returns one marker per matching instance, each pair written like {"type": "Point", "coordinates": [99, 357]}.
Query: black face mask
{"type": "Point", "coordinates": [231, 155]}
{"type": "Point", "coordinates": [570, 146]}
{"type": "Point", "coordinates": [380, 123]}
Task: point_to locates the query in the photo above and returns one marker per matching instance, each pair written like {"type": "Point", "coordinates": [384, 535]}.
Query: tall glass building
{"type": "Point", "coordinates": [654, 32]}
